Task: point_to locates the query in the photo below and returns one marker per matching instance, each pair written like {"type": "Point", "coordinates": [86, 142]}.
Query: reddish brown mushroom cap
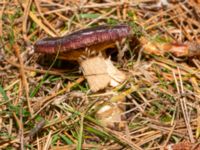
{"type": "Point", "coordinates": [83, 39]}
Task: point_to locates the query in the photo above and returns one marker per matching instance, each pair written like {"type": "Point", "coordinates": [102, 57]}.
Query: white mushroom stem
{"type": "Point", "coordinates": [100, 73]}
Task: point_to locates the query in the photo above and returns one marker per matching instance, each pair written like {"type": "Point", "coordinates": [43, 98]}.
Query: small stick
{"type": "Point", "coordinates": [23, 76]}
{"type": "Point", "coordinates": [1, 14]}
{"type": "Point", "coordinates": [25, 19]}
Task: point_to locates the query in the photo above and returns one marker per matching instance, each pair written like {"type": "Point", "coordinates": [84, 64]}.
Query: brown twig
{"type": "Point", "coordinates": [23, 77]}
{"type": "Point", "coordinates": [25, 19]}
{"type": "Point", "coordinates": [1, 14]}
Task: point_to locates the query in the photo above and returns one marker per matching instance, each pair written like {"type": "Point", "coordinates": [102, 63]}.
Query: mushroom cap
{"type": "Point", "coordinates": [83, 39]}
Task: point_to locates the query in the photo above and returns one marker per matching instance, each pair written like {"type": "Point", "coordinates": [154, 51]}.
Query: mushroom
{"type": "Point", "coordinates": [97, 69]}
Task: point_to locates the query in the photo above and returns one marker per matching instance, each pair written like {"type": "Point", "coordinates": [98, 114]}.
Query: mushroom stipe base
{"type": "Point", "coordinates": [100, 73]}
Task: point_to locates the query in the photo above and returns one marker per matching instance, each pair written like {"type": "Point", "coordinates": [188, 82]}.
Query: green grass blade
{"type": "Point", "coordinates": [89, 16]}
{"type": "Point", "coordinates": [66, 139]}
{"type": "Point", "coordinates": [80, 134]}
{"type": "Point", "coordinates": [3, 93]}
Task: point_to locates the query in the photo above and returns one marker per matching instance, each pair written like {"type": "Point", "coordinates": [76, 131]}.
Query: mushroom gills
{"type": "Point", "coordinates": [78, 54]}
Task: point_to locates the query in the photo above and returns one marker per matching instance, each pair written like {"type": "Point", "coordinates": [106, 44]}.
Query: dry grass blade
{"type": "Point", "coordinates": [25, 18]}
{"type": "Point", "coordinates": [24, 79]}
{"type": "Point", "coordinates": [1, 14]}
{"type": "Point", "coordinates": [185, 109]}
{"type": "Point", "coordinates": [37, 21]}
{"type": "Point", "coordinates": [44, 19]}
{"type": "Point", "coordinates": [48, 141]}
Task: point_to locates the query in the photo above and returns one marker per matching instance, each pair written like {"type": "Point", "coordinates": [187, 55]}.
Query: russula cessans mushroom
{"type": "Point", "coordinates": [98, 70]}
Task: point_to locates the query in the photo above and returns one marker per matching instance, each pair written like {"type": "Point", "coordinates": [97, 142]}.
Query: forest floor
{"type": "Point", "coordinates": [47, 103]}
